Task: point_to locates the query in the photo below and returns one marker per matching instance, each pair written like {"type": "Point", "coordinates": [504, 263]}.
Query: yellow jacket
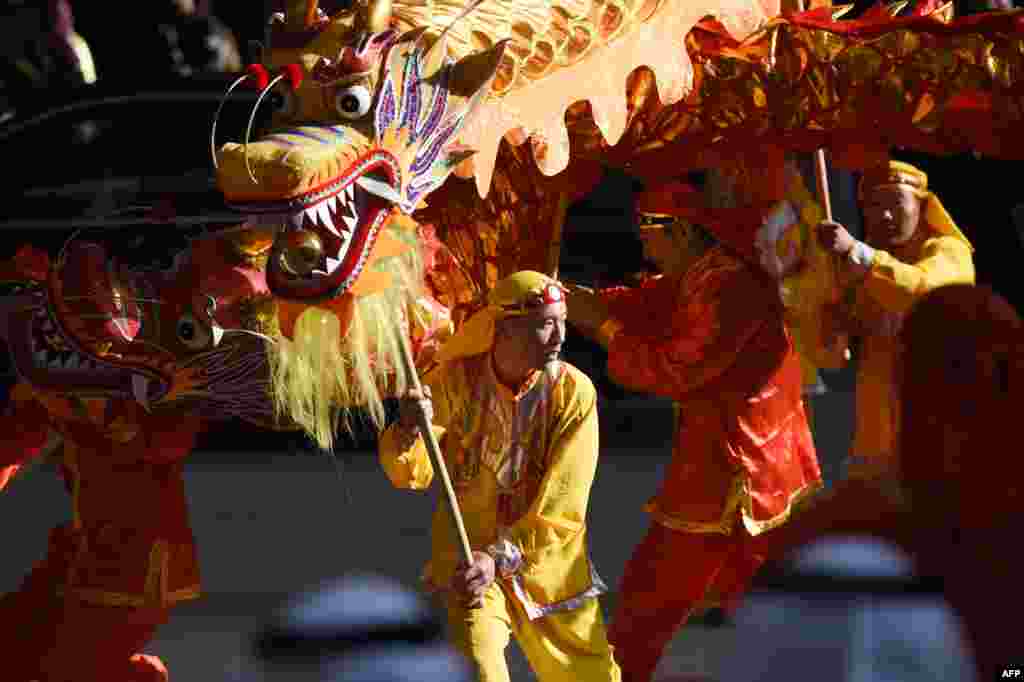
{"type": "Point", "coordinates": [893, 284]}
{"type": "Point", "coordinates": [522, 466]}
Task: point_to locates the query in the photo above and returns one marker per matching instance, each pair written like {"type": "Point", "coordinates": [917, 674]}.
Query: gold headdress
{"type": "Point", "coordinates": [514, 295]}
{"type": "Point", "coordinates": [933, 213]}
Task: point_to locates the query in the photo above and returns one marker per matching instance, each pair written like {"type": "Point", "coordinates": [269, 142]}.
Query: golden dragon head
{"type": "Point", "coordinates": [364, 122]}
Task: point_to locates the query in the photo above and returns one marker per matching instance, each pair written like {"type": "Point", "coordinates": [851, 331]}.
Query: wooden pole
{"type": "Point", "coordinates": [821, 173]}
{"type": "Point", "coordinates": [840, 344]}
{"type": "Point", "coordinates": [555, 245]}
{"type": "Point", "coordinates": [434, 449]}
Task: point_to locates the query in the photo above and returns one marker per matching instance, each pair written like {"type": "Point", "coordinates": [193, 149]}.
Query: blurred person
{"type": "Point", "coordinates": [358, 628]}
{"type": "Point", "coordinates": [710, 334]}
{"type": "Point", "coordinates": [912, 246]}
{"type": "Point", "coordinates": [848, 609]}
{"type": "Point", "coordinates": [953, 502]}
{"type": "Point", "coordinates": [519, 433]}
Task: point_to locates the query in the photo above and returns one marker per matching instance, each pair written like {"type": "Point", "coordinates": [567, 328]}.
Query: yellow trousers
{"type": "Point", "coordinates": [568, 645]}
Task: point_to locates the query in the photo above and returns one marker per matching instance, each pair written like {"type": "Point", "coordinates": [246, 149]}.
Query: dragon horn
{"type": "Point", "coordinates": [376, 15]}
{"type": "Point", "coordinates": [300, 14]}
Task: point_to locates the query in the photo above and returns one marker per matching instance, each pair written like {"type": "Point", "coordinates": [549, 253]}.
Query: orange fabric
{"type": "Point", "coordinates": [665, 580]}
{"type": "Point", "coordinates": [50, 639]}
{"type": "Point", "coordinates": [110, 575]}
{"type": "Point", "coordinates": [632, 305]}
{"type": "Point", "coordinates": [130, 535]}
{"type": "Point", "coordinates": [374, 281]}
{"type": "Point", "coordinates": [724, 353]}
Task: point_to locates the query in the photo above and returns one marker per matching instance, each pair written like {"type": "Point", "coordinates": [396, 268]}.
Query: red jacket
{"type": "Point", "coordinates": [129, 542]}
{"type": "Point", "coordinates": [715, 340]}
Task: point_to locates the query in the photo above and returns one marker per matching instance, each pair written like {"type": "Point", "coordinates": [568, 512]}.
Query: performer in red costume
{"type": "Point", "coordinates": [127, 555]}
{"type": "Point", "coordinates": [712, 337]}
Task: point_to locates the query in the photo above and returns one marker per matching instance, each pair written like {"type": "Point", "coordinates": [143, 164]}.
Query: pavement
{"type": "Point", "coordinates": [269, 524]}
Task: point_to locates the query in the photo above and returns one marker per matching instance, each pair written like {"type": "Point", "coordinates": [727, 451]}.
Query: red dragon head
{"type": "Point", "coordinates": [183, 340]}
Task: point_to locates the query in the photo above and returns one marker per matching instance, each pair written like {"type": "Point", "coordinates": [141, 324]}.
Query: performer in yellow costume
{"type": "Point", "coordinates": [912, 247]}
{"type": "Point", "coordinates": [519, 433]}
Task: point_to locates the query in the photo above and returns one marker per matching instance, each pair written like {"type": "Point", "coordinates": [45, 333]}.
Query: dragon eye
{"type": "Point", "coordinates": [352, 102]}
{"type": "Point", "coordinates": [192, 333]}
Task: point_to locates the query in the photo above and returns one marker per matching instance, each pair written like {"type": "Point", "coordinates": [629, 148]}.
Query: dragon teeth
{"type": "Point", "coordinates": [350, 192]}
{"type": "Point", "coordinates": [323, 212]}
{"type": "Point", "coordinates": [350, 224]}
{"type": "Point", "coordinates": [333, 230]}
{"type": "Point", "coordinates": [333, 203]}
{"type": "Point", "coordinates": [332, 264]}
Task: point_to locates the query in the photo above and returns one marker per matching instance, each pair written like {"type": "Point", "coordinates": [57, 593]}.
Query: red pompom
{"type": "Point", "coordinates": [259, 74]}
{"type": "Point", "coordinates": [293, 74]}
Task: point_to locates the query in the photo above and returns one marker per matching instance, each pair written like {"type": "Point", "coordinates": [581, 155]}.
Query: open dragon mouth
{"type": "Point", "coordinates": [50, 359]}
{"type": "Point", "coordinates": [326, 235]}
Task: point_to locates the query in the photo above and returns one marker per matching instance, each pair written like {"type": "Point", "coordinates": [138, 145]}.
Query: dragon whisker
{"type": "Point", "coordinates": [213, 130]}
{"type": "Point", "coordinates": [252, 117]}
{"type": "Point", "coordinates": [119, 298]}
{"type": "Point", "coordinates": [469, 7]}
{"type": "Point", "coordinates": [266, 338]}
{"type": "Point", "coordinates": [64, 246]}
